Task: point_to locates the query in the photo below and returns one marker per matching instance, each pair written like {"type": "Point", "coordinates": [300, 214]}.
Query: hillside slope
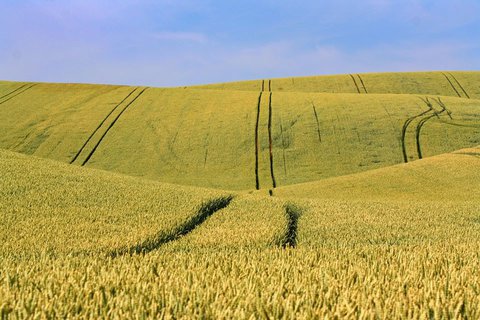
{"type": "Point", "coordinates": [462, 84]}
{"type": "Point", "coordinates": [238, 140]}
{"type": "Point", "coordinates": [443, 178]}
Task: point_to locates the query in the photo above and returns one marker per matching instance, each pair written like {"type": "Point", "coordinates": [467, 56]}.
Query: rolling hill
{"type": "Point", "coordinates": [240, 140]}
{"type": "Point", "coordinates": [348, 196]}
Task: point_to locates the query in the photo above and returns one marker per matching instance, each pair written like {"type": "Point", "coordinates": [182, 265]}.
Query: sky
{"type": "Point", "coordinates": [185, 42]}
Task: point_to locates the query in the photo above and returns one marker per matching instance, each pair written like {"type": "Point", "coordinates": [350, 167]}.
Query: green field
{"type": "Point", "coordinates": [347, 196]}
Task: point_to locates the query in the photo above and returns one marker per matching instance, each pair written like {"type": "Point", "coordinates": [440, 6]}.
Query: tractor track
{"type": "Point", "coordinates": [461, 87]}
{"type": "Point", "coordinates": [257, 180]}
{"type": "Point", "coordinates": [206, 210]}
{"type": "Point", "coordinates": [110, 126]}
{"type": "Point", "coordinates": [100, 125]}
{"type": "Point", "coordinates": [292, 213]}
{"type": "Point", "coordinates": [405, 127]}
{"type": "Point", "coordinates": [363, 84]}
{"type": "Point", "coordinates": [284, 146]}
{"type": "Point", "coordinates": [424, 120]}
{"type": "Point", "coordinates": [270, 141]}
{"type": "Point", "coordinates": [451, 84]}
{"type": "Point", "coordinates": [18, 93]}
{"type": "Point", "coordinates": [355, 82]}
{"type": "Point", "coordinates": [13, 91]}
{"type": "Point", "coordinates": [318, 123]}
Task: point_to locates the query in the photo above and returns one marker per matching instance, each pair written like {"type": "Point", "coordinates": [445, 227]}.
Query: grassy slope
{"type": "Point", "coordinates": [206, 137]}
{"type": "Point", "coordinates": [371, 256]}
{"type": "Point", "coordinates": [434, 83]}
{"type": "Point", "coordinates": [447, 177]}
{"type": "Point", "coordinates": [48, 206]}
{"type": "Point", "coordinates": [407, 249]}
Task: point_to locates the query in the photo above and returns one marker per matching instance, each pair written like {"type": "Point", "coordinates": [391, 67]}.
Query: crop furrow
{"type": "Point", "coordinates": [13, 91]}
{"type": "Point", "coordinates": [461, 87]}
{"type": "Point", "coordinates": [206, 210]}
{"type": "Point", "coordinates": [270, 141]}
{"type": "Point", "coordinates": [257, 180]}
{"type": "Point", "coordinates": [318, 123]}
{"type": "Point", "coordinates": [405, 126]}
{"type": "Point", "coordinates": [451, 84]}
{"type": "Point", "coordinates": [292, 213]}
{"type": "Point", "coordinates": [355, 82]}
{"type": "Point", "coordinates": [363, 84]}
{"type": "Point", "coordinates": [270, 85]}
{"type": "Point", "coordinates": [110, 126]}
{"type": "Point", "coordinates": [18, 93]}
{"type": "Point", "coordinates": [99, 126]}
{"type": "Point", "coordinates": [263, 85]}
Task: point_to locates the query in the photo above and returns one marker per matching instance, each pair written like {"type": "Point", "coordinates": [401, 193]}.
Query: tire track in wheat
{"type": "Point", "coordinates": [18, 93]}
{"type": "Point", "coordinates": [257, 180]}
{"type": "Point", "coordinates": [205, 210]}
{"type": "Point", "coordinates": [270, 140]}
{"type": "Point", "coordinates": [13, 91]}
{"type": "Point", "coordinates": [461, 87]}
{"type": "Point", "coordinates": [110, 127]}
{"type": "Point", "coordinates": [99, 126]}
{"type": "Point", "coordinates": [451, 84]}
{"type": "Point", "coordinates": [405, 127]}
{"type": "Point", "coordinates": [355, 82]}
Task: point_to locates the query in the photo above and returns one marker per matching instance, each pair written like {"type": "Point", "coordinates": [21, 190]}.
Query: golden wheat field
{"type": "Point", "coordinates": [336, 197]}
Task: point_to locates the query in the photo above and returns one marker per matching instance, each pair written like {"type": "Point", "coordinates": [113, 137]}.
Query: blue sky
{"type": "Point", "coordinates": [182, 42]}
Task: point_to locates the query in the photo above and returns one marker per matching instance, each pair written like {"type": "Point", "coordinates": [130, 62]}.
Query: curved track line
{"type": "Point", "coordinates": [461, 87]}
{"type": "Point", "coordinates": [98, 127]}
{"type": "Point", "coordinates": [424, 120]}
{"type": "Point", "coordinates": [110, 126]}
{"type": "Point", "coordinates": [405, 126]}
{"type": "Point", "coordinates": [206, 210]}
{"type": "Point", "coordinates": [18, 93]}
